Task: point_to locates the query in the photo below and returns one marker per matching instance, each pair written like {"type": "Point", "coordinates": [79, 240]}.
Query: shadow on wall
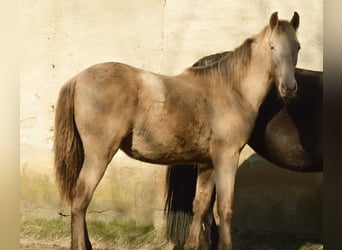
{"type": "Point", "coordinates": [271, 199]}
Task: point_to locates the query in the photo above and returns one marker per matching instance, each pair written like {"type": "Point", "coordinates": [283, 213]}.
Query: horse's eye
{"type": "Point", "coordinates": [271, 45]}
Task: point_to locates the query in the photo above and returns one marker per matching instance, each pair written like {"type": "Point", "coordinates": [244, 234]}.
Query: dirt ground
{"type": "Point", "coordinates": [48, 234]}
{"type": "Point", "coordinates": [254, 243]}
{"type": "Point", "coordinates": [32, 244]}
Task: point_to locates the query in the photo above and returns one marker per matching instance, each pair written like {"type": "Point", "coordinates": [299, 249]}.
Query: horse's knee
{"type": "Point", "coordinates": [81, 197]}
{"type": "Point", "coordinates": [224, 211]}
{"type": "Point", "coordinates": [200, 207]}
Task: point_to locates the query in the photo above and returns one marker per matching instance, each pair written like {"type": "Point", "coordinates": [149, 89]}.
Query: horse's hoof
{"type": "Point", "coordinates": [191, 246]}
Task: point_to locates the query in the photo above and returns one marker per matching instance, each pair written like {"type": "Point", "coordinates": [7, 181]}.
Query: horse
{"type": "Point", "coordinates": [202, 116]}
{"type": "Point", "coordinates": [288, 135]}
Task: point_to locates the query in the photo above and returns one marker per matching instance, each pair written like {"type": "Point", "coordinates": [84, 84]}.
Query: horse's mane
{"type": "Point", "coordinates": [228, 66]}
{"type": "Point", "coordinates": [211, 59]}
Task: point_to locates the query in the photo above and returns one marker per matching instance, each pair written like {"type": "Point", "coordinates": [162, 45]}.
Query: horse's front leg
{"type": "Point", "coordinates": [226, 165]}
{"type": "Point", "coordinates": [201, 203]}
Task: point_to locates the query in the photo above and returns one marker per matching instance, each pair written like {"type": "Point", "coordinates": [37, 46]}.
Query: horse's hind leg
{"type": "Point", "coordinates": [90, 175]}
{"type": "Point", "coordinates": [104, 110]}
{"type": "Point", "coordinates": [201, 203]}
{"type": "Point", "coordinates": [98, 154]}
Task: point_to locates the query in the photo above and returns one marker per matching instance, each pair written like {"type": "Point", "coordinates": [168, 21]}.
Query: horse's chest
{"type": "Point", "coordinates": [233, 126]}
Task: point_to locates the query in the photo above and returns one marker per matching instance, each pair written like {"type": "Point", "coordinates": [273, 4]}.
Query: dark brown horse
{"type": "Point", "coordinates": [204, 116]}
{"type": "Point", "coordinates": [286, 135]}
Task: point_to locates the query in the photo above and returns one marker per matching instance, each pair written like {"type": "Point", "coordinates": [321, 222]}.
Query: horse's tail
{"type": "Point", "coordinates": [180, 192]}
{"type": "Point", "coordinates": [68, 148]}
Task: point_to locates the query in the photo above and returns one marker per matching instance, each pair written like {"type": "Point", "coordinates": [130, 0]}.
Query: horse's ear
{"type": "Point", "coordinates": [295, 20]}
{"type": "Point", "coordinates": [274, 20]}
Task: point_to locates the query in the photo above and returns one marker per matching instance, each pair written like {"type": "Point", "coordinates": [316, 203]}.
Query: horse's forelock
{"type": "Point", "coordinates": [284, 26]}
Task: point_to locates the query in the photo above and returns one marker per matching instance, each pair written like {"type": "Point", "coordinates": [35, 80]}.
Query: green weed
{"type": "Point", "coordinates": [128, 234]}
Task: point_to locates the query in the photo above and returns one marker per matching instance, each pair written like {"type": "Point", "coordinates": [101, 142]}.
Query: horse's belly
{"type": "Point", "coordinates": [163, 146]}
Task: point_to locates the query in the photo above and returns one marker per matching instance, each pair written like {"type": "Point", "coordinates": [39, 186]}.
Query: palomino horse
{"type": "Point", "coordinates": [204, 116]}
{"type": "Point", "coordinates": [286, 135]}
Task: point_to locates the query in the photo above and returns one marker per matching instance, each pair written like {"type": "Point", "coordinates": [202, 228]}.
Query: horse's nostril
{"type": "Point", "coordinates": [294, 88]}
{"type": "Point", "coordinates": [284, 88]}
{"type": "Point", "coordinates": [288, 89]}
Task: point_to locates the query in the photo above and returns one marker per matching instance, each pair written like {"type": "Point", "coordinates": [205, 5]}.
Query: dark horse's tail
{"type": "Point", "coordinates": [181, 188]}
{"type": "Point", "coordinates": [68, 148]}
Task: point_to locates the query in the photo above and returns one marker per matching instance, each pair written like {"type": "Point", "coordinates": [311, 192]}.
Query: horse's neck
{"type": "Point", "coordinates": [257, 82]}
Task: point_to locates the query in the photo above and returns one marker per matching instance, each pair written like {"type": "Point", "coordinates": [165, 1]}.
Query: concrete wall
{"type": "Point", "coordinates": [59, 38]}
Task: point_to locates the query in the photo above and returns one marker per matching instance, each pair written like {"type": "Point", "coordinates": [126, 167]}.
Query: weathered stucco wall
{"type": "Point", "coordinates": [61, 38]}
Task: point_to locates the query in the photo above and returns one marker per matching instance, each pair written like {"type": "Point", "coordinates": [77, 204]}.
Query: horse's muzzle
{"type": "Point", "coordinates": [288, 91]}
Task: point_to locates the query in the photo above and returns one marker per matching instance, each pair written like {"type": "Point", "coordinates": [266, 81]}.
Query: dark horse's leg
{"type": "Point", "coordinates": [210, 225]}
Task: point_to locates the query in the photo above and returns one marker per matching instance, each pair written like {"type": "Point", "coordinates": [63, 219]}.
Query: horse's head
{"type": "Point", "coordinates": [284, 46]}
